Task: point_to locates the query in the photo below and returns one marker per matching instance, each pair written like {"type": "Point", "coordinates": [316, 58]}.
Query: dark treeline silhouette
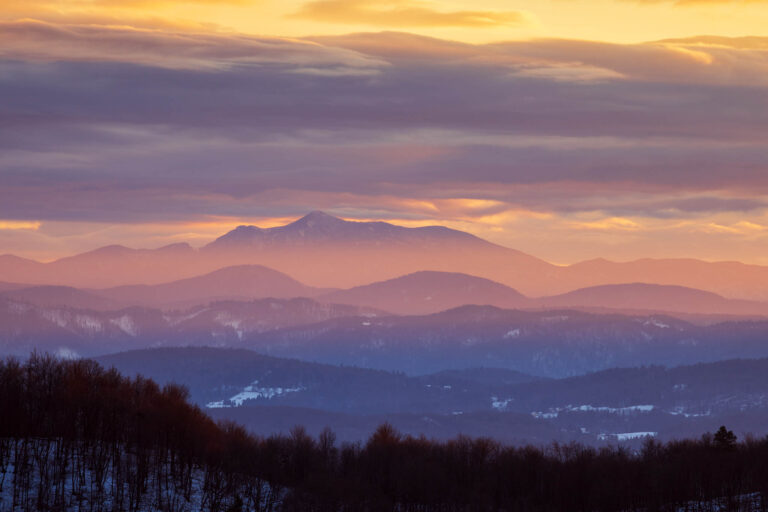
{"type": "Point", "coordinates": [74, 436]}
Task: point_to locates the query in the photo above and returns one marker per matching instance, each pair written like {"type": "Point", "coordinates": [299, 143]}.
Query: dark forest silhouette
{"type": "Point", "coordinates": [73, 434]}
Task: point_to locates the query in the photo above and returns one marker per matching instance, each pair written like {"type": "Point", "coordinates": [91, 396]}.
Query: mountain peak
{"type": "Point", "coordinates": [317, 218]}
{"type": "Point", "coordinates": [318, 229]}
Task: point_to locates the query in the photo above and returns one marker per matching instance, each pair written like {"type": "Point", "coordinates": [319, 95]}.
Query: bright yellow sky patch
{"type": "Point", "coordinates": [475, 21]}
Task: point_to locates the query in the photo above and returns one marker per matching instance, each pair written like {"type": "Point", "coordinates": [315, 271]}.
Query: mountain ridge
{"type": "Point", "coordinates": [327, 252]}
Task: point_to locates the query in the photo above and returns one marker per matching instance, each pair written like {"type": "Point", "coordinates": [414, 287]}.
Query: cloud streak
{"type": "Point", "coordinates": [662, 143]}
{"type": "Point", "coordinates": [403, 13]}
{"type": "Point", "coordinates": [31, 40]}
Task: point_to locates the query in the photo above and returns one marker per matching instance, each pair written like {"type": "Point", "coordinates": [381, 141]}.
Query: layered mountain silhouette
{"type": "Point", "coordinates": [67, 330]}
{"type": "Point", "coordinates": [230, 283]}
{"type": "Point", "coordinates": [429, 292]}
{"type": "Point", "coordinates": [419, 293]}
{"type": "Point", "coordinates": [327, 252]}
{"type": "Point", "coordinates": [322, 250]}
{"type": "Point", "coordinates": [654, 297]}
{"type": "Point", "coordinates": [52, 296]}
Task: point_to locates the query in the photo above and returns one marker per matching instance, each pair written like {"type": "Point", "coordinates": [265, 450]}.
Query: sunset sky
{"type": "Point", "coordinates": [566, 129]}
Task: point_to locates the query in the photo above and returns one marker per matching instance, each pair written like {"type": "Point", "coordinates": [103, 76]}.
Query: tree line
{"type": "Point", "coordinates": [77, 436]}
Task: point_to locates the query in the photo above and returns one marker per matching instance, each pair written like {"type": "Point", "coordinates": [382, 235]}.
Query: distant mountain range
{"type": "Point", "coordinates": [550, 343]}
{"type": "Point", "coordinates": [69, 331]}
{"type": "Point", "coordinates": [272, 394]}
{"type": "Point", "coordinates": [653, 297]}
{"type": "Point", "coordinates": [323, 251]}
{"type": "Point", "coordinates": [422, 292]}
{"type": "Point", "coordinates": [546, 343]}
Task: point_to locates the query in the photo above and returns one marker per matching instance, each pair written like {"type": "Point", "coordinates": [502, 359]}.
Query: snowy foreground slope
{"type": "Point", "coordinates": [42, 474]}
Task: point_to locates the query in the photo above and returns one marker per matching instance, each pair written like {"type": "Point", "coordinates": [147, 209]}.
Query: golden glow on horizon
{"type": "Point", "coordinates": [462, 20]}
{"type": "Point", "coordinates": [558, 238]}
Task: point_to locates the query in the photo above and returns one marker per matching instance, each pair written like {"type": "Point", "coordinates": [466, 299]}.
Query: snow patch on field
{"type": "Point", "coordinates": [499, 404]}
{"type": "Point", "coordinates": [655, 323]}
{"type": "Point", "coordinates": [253, 392]}
{"type": "Point", "coordinates": [227, 320]}
{"type": "Point", "coordinates": [190, 316]}
{"type": "Point", "coordinates": [126, 324]}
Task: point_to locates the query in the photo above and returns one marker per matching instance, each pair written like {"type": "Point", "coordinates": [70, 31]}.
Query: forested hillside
{"type": "Point", "coordinates": [75, 436]}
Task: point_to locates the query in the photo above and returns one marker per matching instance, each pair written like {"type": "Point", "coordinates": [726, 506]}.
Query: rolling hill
{"type": "Point", "coordinates": [429, 292]}
{"type": "Point", "coordinates": [654, 297]}
{"type": "Point", "coordinates": [231, 283]}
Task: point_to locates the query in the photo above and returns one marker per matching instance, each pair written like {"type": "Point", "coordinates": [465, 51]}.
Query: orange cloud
{"type": "Point", "coordinates": [402, 13]}
{"type": "Point", "coordinates": [608, 224]}
{"type": "Point", "coordinates": [40, 41]}
{"type": "Point", "coordinates": [739, 43]}
{"type": "Point", "coordinates": [138, 4]}
{"type": "Point", "coordinates": [19, 224]}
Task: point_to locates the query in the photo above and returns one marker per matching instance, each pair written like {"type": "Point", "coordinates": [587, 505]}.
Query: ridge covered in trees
{"type": "Point", "coordinates": [76, 436]}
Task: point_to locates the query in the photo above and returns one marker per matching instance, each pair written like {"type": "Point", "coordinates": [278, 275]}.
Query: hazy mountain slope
{"type": "Point", "coordinates": [552, 343]}
{"type": "Point", "coordinates": [225, 377]}
{"type": "Point", "coordinates": [727, 278]}
{"type": "Point", "coordinates": [13, 268]}
{"type": "Point", "coordinates": [317, 249]}
{"type": "Point", "coordinates": [696, 389]}
{"type": "Point", "coordinates": [6, 287]}
{"type": "Point", "coordinates": [62, 296]}
{"type": "Point", "coordinates": [318, 228]}
{"type": "Point", "coordinates": [548, 343]}
{"type": "Point", "coordinates": [273, 394]}
{"type": "Point", "coordinates": [429, 292]}
{"type": "Point", "coordinates": [109, 266]}
{"type": "Point", "coordinates": [654, 297]}
{"type": "Point", "coordinates": [324, 251]}
{"type": "Point", "coordinates": [230, 283]}
{"type": "Point", "coordinates": [25, 327]}
{"type": "Point", "coordinates": [487, 376]}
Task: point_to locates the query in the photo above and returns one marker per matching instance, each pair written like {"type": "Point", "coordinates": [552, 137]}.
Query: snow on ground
{"type": "Point", "coordinates": [253, 392]}
{"type": "Point", "coordinates": [17, 308]}
{"type": "Point", "coordinates": [499, 404]}
{"type": "Point", "coordinates": [88, 487]}
{"type": "Point", "coordinates": [626, 436]}
{"type": "Point", "coordinates": [55, 316]}
{"type": "Point", "coordinates": [680, 411]}
{"type": "Point", "coordinates": [67, 353]}
{"type": "Point", "coordinates": [656, 323]}
{"type": "Point", "coordinates": [126, 324]}
{"type": "Point", "coordinates": [743, 503]}
{"type": "Point", "coordinates": [89, 322]}
{"type": "Point", "coordinates": [632, 409]}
